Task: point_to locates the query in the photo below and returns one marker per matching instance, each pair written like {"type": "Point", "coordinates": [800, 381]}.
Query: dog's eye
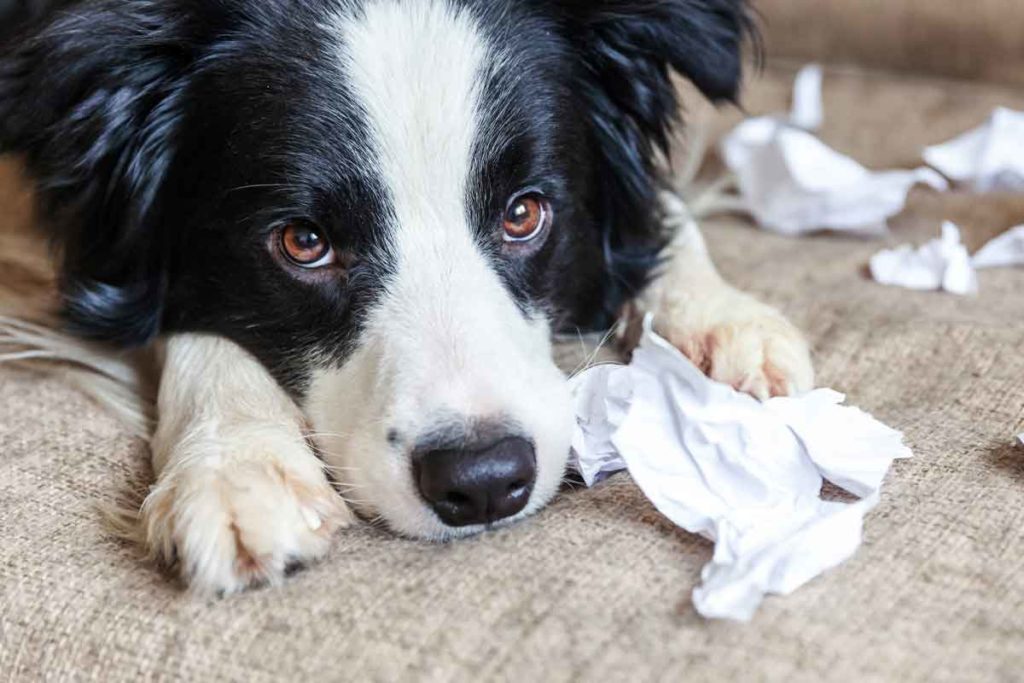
{"type": "Point", "coordinates": [303, 244]}
{"type": "Point", "coordinates": [526, 217]}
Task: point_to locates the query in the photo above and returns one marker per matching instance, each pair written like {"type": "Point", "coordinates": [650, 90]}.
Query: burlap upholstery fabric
{"type": "Point", "coordinates": [597, 586]}
{"type": "Point", "coordinates": [951, 38]}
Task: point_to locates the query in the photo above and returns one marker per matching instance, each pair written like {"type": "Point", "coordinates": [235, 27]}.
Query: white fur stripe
{"type": "Point", "coordinates": [446, 342]}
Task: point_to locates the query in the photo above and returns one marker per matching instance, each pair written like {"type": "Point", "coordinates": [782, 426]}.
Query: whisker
{"type": "Point", "coordinates": [377, 521]}
{"type": "Point", "coordinates": [338, 434]}
{"type": "Point", "coordinates": [354, 501]}
{"type": "Point", "coordinates": [260, 186]}
{"type": "Point", "coordinates": [590, 361]}
{"type": "Point", "coordinates": [352, 487]}
{"type": "Point", "coordinates": [573, 484]}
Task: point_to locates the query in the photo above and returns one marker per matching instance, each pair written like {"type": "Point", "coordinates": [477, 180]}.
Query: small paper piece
{"type": "Point", "coordinates": [745, 474]}
{"type": "Point", "coordinates": [988, 158]}
{"type": "Point", "coordinates": [808, 110]}
{"type": "Point", "coordinates": [1005, 250]}
{"type": "Point", "coordinates": [792, 183]}
{"type": "Point", "coordinates": [942, 263]}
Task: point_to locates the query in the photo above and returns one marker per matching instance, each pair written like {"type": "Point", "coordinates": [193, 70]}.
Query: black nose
{"type": "Point", "coordinates": [477, 486]}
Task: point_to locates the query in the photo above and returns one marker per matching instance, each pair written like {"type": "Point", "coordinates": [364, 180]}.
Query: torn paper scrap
{"type": "Point", "coordinates": [597, 418]}
{"type": "Point", "coordinates": [808, 110]}
{"type": "Point", "coordinates": [942, 263]}
{"type": "Point", "coordinates": [744, 474]}
{"type": "Point", "coordinates": [1004, 251]}
{"type": "Point", "coordinates": [988, 158]}
{"type": "Point", "coordinates": [793, 183]}
{"type": "Point", "coordinates": [813, 538]}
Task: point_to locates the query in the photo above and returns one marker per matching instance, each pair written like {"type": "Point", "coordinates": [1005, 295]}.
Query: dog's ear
{"type": "Point", "coordinates": [630, 45]}
{"type": "Point", "coordinates": [626, 51]}
{"type": "Point", "coordinates": [92, 99]}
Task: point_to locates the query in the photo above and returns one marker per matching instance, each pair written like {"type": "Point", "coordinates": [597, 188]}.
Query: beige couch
{"type": "Point", "coordinates": [597, 586]}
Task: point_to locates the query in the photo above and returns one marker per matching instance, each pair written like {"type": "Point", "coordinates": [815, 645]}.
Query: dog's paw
{"type": "Point", "coordinates": [737, 340]}
{"type": "Point", "coordinates": [235, 511]}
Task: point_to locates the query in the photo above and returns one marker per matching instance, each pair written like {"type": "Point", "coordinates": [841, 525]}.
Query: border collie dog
{"type": "Point", "coordinates": [352, 228]}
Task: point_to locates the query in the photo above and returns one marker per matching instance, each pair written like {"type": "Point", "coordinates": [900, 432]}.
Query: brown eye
{"type": "Point", "coordinates": [526, 218]}
{"type": "Point", "coordinates": [305, 246]}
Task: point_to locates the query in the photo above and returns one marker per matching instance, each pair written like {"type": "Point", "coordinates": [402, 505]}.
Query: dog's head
{"type": "Point", "coordinates": [390, 203]}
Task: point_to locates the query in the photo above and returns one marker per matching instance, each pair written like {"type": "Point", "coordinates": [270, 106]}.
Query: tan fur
{"type": "Point", "coordinates": [28, 283]}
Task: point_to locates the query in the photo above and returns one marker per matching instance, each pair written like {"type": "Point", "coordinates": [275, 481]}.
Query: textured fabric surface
{"type": "Point", "coordinates": [951, 38]}
{"type": "Point", "coordinates": [597, 586]}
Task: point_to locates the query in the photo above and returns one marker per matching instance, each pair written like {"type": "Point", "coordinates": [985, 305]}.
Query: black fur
{"type": "Point", "coordinates": [95, 101]}
{"type": "Point", "coordinates": [168, 138]}
{"type": "Point", "coordinates": [19, 15]}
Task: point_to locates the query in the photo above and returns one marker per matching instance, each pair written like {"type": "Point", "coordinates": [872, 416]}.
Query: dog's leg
{"type": "Point", "coordinates": [730, 335]}
{"type": "Point", "coordinates": [240, 495]}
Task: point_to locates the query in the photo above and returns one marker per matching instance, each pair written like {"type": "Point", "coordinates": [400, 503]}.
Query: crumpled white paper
{"type": "Point", "coordinates": [808, 110]}
{"type": "Point", "coordinates": [944, 263]}
{"type": "Point", "coordinates": [988, 158]}
{"type": "Point", "coordinates": [792, 183]}
{"type": "Point", "coordinates": [745, 474]}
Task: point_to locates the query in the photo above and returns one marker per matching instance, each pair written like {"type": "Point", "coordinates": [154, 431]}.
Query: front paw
{"type": "Point", "coordinates": [737, 340]}
{"type": "Point", "coordinates": [237, 510]}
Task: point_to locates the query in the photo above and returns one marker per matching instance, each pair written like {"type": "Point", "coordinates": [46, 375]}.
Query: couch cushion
{"type": "Point", "coordinates": [981, 39]}
{"type": "Point", "coordinates": [597, 586]}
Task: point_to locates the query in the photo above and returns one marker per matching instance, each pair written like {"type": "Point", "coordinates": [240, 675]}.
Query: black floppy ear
{"type": "Point", "coordinates": [627, 50]}
{"type": "Point", "coordinates": [630, 46]}
{"type": "Point", "coordinates": [92, 101]}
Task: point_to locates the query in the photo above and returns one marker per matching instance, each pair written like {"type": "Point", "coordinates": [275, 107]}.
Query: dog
{"type": "Point", "coordinates": [351, 229]}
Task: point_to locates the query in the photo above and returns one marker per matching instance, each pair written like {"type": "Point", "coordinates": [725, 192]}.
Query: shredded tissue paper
{"type": "Point", "coordinates": [748, 475]}
{"type": "Point", "coordinates": [744, 474]}
{"type": "Point", "coordinates": [944, 263]}
{"type": "Point", "coordinates": [989, 158]}
{"type": "Point", "coordinates": [792, 183]}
